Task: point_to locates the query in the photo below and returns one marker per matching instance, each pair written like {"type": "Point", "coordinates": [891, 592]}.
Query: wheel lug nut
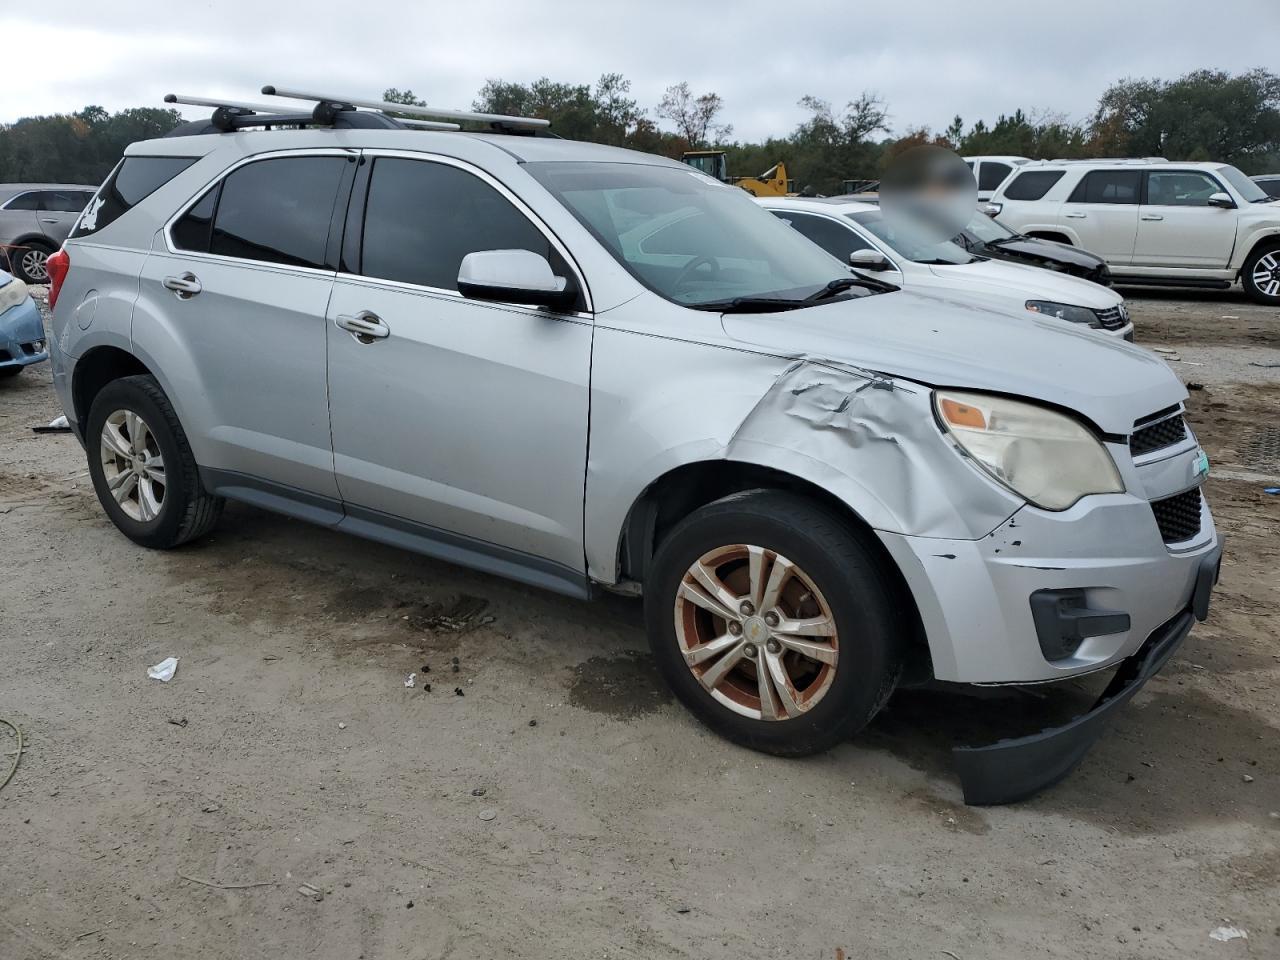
{"type": "Point", "coordinates": [749, 649]}
{"type": "Point", "coordinates": [773, 646]}
{"type": "Point", "coordinates": [735, 627]}
{"type": "Point", "coordinates": [746, 608]}
{"type": "Point", "coordinates": [771, 619]}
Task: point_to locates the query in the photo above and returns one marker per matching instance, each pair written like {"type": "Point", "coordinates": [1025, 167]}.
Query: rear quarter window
{"type": "Point", "coordinates": [1032, 184]}
{"type": "Point", "coordinates": [133, 180]}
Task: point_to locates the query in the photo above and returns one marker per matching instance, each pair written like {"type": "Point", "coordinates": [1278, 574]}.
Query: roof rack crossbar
{"type": "Point", "coordinates": [236, 106]}
{"type": "Point", "coordinates": [411, 109]}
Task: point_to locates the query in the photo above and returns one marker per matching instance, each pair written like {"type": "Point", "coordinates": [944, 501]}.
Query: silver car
{"type": "Point", "coordinates": [586, 368]}
{"type": "Point", "coordinates": [34, 220]}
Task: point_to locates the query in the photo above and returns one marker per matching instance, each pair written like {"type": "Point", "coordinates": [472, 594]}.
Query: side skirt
{"type": "Point", "coordinates": [399, 532]}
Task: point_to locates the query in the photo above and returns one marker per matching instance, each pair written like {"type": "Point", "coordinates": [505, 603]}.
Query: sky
{"type": "Point", "coordinates": [929, 60]}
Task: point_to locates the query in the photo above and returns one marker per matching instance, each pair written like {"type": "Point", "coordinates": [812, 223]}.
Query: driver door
{"type": "Point", "coordinates": [463, 422]}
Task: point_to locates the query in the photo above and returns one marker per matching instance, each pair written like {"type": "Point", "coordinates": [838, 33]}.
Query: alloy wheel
{"type": "Point", "coordinates": [756, 632]}
{"type": "Point", "coordinates": [33, 265]}
{"type": "Point", "coordinates": [1266, 275]}
{"type": "Point", "coordinates": [132, 465]}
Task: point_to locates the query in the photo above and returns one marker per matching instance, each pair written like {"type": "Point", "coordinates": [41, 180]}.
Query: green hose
{"type": "Point", "coordinates": [16, 757]}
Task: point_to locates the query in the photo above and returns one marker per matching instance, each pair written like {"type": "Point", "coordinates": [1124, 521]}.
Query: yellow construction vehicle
{"type": "Point", "coordinates": [772, 183]}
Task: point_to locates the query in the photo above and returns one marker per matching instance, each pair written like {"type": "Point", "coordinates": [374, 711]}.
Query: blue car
{"type": "Point", "coordinates": [22, 340]}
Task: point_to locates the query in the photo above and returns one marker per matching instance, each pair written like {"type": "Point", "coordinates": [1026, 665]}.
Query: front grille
{"type": "Point", "coordinates": [1113, 318]}
{"type": "Point", "coordinates": [1178, 517]}
{"type": "Point", "coordinates": [1156, 436]}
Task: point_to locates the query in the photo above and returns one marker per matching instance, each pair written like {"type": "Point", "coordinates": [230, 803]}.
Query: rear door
{"type": "Point", "coordinates": [1102, 211]}
{"type": "Point", "coordinates": [1176, 225]}
{"type": "Point", "coordinates": [465, 425]}
{"type": "Point", "coordinates": [59, 210]}
{"type": "Point", "coordinates": [236, 297]}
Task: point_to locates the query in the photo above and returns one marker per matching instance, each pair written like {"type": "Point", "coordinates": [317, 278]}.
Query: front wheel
{"type": "Point", "coordinates": [774, 622]}
{"type": "Point", "coordinates": [1260, 276]}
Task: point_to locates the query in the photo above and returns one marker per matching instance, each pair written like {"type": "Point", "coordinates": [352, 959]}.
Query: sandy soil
{"type": "Point", "coordinates": [548, 799]}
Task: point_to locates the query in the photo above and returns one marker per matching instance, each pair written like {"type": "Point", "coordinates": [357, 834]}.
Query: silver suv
{"type": "Point", "coordinates": [582, 368]}
{"type": "Point", "coordinates": [34, 220]}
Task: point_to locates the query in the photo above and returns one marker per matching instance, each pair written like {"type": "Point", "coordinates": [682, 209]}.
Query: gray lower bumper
{"type": "Point", "coordinates": [1015, 769]}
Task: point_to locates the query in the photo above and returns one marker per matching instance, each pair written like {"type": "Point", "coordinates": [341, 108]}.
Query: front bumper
{"type": "Point", "coordinates": [974, 596]}
{"type": "Point", "coordinates": [1012, 770]}
{"type": "Point", "coordinates": [22, 337]}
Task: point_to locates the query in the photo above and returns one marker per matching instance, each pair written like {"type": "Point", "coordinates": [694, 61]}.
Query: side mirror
{"type": "Point", "coordinates": [869, 260]}
{"type": "Point", "coordinates": [1222, 200]}
{"type": "Point", "coordinates": [513, 276]}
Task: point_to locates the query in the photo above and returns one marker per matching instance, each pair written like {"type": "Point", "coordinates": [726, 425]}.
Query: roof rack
{"type": "Point", "coordinates": [328, 103]}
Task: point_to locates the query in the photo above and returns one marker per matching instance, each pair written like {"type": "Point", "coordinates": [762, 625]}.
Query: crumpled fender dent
{"type": "Point", "coordinates": [868, 439]}
{"type": "Point", "coordinates": [857, 423]}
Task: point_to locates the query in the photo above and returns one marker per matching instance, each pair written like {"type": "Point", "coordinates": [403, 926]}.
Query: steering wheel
{"type": "Point", "coordinates": [693, 265]}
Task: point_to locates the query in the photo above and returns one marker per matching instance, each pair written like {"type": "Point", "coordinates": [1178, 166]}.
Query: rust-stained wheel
{"type": "Point", "coordinates": [774, 621]}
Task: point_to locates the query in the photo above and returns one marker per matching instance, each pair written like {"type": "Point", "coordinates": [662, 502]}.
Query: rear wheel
{"type": "Point", "coordinates": [1260, 276]}
{"type": "Point", "coordinates": [29, 261]}
{"type": "Point", "coordinates": [773, 622]}
{"type": "Point", "coordinates": [142, 467]}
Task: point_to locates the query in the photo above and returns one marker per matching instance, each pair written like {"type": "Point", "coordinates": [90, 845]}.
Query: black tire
{"type": "Point", "coordinates": [849, 572]}
{"type": "Point", "coordinates": [186, 510]}
{"type": "Point", "coordinates": [1264, 259]}
{"type": "Point", "coordinates": [7, 372]}
{"type": "Point", "coordinates": [20, 271]}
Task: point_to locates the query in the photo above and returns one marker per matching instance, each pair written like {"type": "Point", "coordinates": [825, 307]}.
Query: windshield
{"type": "Point", "coordinates": [914, 243]}
{"type": "Point", "coordinates": [986, 229]}
{"type": "Point", "coordinates": [688, 238]}
{"type": "Point", "coordinates": [1247, 189]}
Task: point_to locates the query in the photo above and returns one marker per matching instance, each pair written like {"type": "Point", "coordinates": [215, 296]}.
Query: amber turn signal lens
{"type": "Point", "coordinates": [959, 414]}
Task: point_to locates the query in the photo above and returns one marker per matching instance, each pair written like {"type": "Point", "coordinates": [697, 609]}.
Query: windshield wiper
{"type": "Point", "coordinates": [748, 305]}
{"type": "Point", "coordinates": [999, 240]}
{"type": "Point", "coordinates": [841, 284]}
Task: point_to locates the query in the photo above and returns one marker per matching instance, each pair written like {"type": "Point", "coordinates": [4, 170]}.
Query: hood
{"type": "Point", "coordinates": [1035, 250]}
{"type": "Point", "coordinates": [945, 343]}
{"type": "Point", "coordinates": [1022, 282]}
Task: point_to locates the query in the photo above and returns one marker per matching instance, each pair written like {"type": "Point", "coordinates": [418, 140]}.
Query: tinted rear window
{"type": "Point", "coordinates": [1032, 184]}
{"type": "Point", "coordinates": [64, 201]}
{"type": "Point", "coordinates": [278, 210]}
{"type": "Point", "coordinates": [24, 201]}
{"type": "Point", "coordinates": [991, 174]}
{"type": "Point", "coordinates": [1107, 186]}
{"type": "Point", "coordinates": [135, 179]}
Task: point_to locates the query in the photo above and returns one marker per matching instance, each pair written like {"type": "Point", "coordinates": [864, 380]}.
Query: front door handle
{"type": "Point", "coordinates": [184, 287]}
{"type": "Point", "coordinates": [48, 219]}
{"type": "Point", "coordinates": [365, 326]}
{"type": "Point", "coordinates": [1152, 216]}
{"type": "Point", "coordinates": [1074, 216]}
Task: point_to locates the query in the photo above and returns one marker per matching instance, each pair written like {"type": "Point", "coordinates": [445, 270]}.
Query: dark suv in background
{"type": "Point", "coordinates": [34, 220]}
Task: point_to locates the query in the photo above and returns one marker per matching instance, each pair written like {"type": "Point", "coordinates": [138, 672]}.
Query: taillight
{"type": "Point", "coordinates": [56, 266]}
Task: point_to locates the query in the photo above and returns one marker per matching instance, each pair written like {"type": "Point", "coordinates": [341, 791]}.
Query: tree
{"type": "Point", "coordinates": [694, 116]}
{"type": "Point", "coordinates": [831, 148]}
{"type": "Point", "coordinates": [76, 148]}
{"type": "Point", "coordinates": [1205, 114]}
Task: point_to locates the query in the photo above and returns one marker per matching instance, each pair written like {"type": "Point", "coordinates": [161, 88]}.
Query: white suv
{"type": "Point", "coordinates": [1155, 222]}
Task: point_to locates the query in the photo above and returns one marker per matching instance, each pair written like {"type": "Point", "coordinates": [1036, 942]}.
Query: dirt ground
{"type": "Point", "coordinates": [547, 799]}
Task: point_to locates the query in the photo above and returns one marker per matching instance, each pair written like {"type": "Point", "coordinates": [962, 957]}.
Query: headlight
{"type": "Point", "coordinates": [1064, 311]}
{"type": "Point", "coordinates": [1045, 457]}
{"type": "Point", "coordinates": [12, 293]}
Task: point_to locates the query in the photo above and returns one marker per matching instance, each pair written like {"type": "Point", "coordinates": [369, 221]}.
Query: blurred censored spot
{"type": "Point", "coordinates": [933, 189]}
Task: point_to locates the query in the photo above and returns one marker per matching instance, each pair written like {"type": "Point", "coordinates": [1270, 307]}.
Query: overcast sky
{"type": "Point", "coordinates": [929, 59]}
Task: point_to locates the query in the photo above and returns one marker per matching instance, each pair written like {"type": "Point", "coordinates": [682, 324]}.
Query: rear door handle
{"type": "Point", "coordinates": [365, 326]}
{"type": "Point", "coordinates": [1074, 216]}
{"type": "Point", "coordinates": [184, 287]}
{"type": "Point", "coordinates": [1152, 216]}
